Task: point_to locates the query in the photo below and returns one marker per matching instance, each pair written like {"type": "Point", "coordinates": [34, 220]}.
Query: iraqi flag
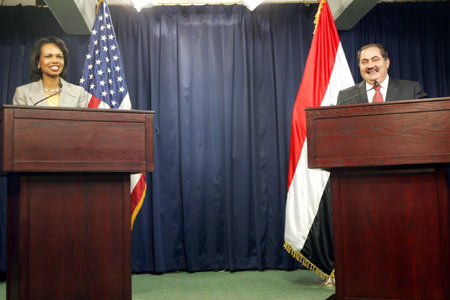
{"type": "Point", "coordinates": [104, 79]}
{"type": "Point", "coordinates": [308, 232]}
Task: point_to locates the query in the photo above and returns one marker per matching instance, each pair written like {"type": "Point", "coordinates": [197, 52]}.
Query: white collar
{"type": "Point", "coordinates": [384, 84]}
{"type": "Point", "coordinates": [371, 91]}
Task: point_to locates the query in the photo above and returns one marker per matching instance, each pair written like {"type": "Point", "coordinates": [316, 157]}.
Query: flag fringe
{"type": "Point", "coordinates": [316, 19]}
{"type": "Point", "coordinates": [307, 263]}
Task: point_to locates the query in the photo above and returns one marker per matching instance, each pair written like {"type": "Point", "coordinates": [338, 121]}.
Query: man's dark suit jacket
{"type": "Point", "coordinates": [397, 90]}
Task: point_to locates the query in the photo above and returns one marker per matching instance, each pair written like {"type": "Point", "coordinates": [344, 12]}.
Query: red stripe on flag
{"type": "Point", "coordinates": [94, 102]}
{"type": "Point", "coordinates": [137, 197]}
{"type": "Point", "coordinates": [318, 69]}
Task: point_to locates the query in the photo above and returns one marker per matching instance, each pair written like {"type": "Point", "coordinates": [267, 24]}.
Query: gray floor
{"type": "Point", "coordinates": [247, 285]}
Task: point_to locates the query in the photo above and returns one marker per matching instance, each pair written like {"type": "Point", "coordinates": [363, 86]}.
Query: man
{"type": "Point", "coordinates": [374, 63]}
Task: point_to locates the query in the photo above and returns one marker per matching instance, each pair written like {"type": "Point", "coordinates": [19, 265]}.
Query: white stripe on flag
{"type": "Point", "coordinates": [134, 178]}
{"type": "Point", "coordinates": [303, 200]}
{"type": "Point", "coordinates": [126, 103]}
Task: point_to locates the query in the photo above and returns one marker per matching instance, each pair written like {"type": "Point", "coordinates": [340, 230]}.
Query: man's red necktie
{"type": "Point", "coordinates": [378, 97]}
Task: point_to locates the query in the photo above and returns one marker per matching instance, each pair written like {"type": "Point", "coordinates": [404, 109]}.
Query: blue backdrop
{"type": "Point", "coordinates": [222, 81]}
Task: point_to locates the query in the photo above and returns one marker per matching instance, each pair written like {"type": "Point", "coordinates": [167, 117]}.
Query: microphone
{"type": "Point", "coordinates": [375, 84]}
{"type": "Point", "coordinates": [60, 90]}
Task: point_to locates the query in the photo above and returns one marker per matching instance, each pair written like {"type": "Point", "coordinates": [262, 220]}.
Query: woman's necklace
{"type": "Point", "coordinates": [52, 91]}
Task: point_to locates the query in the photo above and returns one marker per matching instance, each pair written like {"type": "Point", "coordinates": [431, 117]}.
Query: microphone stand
{"type": "Point", "coordinates": [375, 84]}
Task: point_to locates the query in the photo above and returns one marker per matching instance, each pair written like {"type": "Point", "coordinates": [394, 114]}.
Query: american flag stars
{"type": "Point", "coordinates": [103, 72]}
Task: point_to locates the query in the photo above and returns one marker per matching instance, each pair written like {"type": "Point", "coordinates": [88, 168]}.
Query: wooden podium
{"type": "Point", "coordinates": [390, 196]}
{"type": "Point", "coordinates": [69, 199]}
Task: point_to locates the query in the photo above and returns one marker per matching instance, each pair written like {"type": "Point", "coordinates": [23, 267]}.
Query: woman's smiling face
{"type": "Point", "coordinates": [51, 61]}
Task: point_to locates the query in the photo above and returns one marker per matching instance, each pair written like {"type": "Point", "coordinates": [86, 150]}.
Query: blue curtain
{"type": "Point", "coordinates": [222, 81]}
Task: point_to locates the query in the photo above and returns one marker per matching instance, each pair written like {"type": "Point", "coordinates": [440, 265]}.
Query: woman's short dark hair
{"type": "Point", "coordinates": [383, 50]}
{"type": "Point", "coordinates": [35, 72]}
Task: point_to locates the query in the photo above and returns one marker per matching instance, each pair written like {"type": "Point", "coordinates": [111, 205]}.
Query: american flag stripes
{"type": "Point", "coordinates": [103, 77]}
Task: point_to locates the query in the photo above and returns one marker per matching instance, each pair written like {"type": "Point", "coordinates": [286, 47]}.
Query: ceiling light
{"type": "Point", "coordinates": [139, 4]}
{"type": "Point", "coordinates": [252, 4]}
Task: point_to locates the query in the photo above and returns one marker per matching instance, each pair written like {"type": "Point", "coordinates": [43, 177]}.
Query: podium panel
{"type": "Point", "coordinates": [69, 237]}
{"type": "Point", "coordinates": [49, 139]}
{"type": "Point", "coordinates": [391, 232]}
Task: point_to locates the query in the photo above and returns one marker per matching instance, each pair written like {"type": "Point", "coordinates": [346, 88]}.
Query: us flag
{"type": "Point", "coordinates": [103, 77]}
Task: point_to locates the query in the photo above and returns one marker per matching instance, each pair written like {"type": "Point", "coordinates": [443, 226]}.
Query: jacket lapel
{"type": "Point", "coordinates": [37, 93]}
{"type": "Point", "coordinates": [392, 90]}
{"type": "Point", "coordinates": [362, 91]}
{"type": "Point", "coordinates": [68, 95]}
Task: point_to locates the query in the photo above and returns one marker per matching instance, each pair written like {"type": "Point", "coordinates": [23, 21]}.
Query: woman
{"type": "Point", "coordinates": [48, 69]}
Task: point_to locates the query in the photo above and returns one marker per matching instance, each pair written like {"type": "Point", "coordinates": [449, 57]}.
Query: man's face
{"type": "Point", "coordinates": [373, 66]}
